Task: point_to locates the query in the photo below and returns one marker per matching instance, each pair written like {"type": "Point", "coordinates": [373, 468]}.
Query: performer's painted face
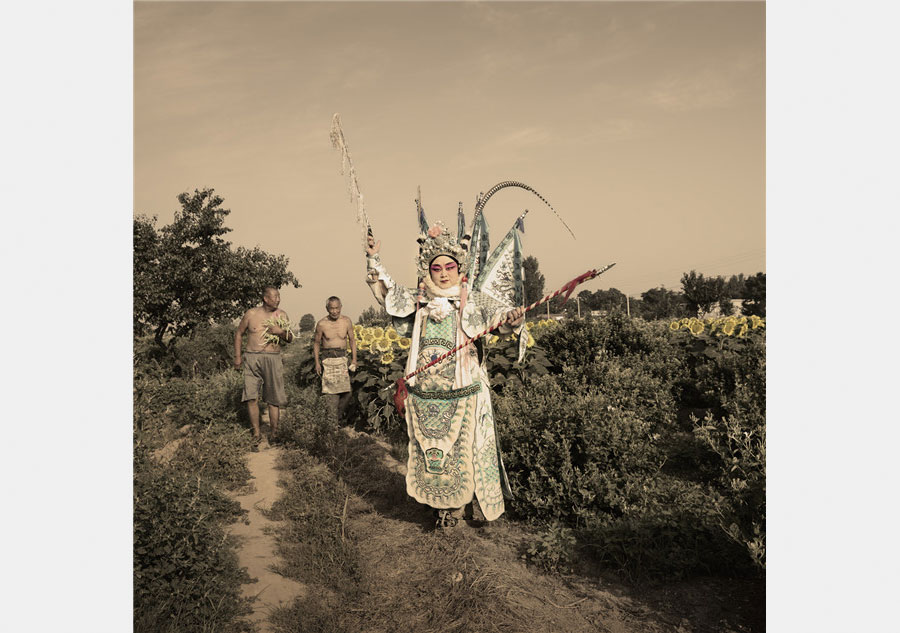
{"type": "Point", "coordinates": [444, 271]}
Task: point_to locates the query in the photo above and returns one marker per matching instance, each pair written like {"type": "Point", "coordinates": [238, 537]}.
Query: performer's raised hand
{"type": "Point", "coordinates": [373, 246]}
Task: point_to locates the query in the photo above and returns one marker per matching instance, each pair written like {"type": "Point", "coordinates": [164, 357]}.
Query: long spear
{"type": "Point", "coordinates": [400, 395]}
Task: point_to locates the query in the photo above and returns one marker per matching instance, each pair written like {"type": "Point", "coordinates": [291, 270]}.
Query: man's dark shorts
{"type": "Point", "coordinates": [266, 369]}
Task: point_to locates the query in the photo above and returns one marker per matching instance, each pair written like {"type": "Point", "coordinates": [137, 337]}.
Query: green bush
{"type": "Point", "coordinates": [186, 573]}
{"type": "Point", "coordinates": [200, 401]}
{"type": "Point", "coordinates": [671, 531]}
{"type": "Point", "coordinates": [305, 423]}
{"type": "Point", "coordinates": [216, 453]}
{"type": "Point", "coordinates": [209, 350]}
{"type": "Point", "coordinates": [571, 456]}
{"type": "Point", "coordinates": [740, 501]}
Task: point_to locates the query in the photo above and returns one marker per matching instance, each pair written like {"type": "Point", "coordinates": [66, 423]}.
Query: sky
{"type": "Point", "coordinates": [642, 123]}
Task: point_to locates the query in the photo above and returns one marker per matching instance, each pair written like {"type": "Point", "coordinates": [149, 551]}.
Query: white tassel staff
{"type": "Point", "coordinates": [338, 142]}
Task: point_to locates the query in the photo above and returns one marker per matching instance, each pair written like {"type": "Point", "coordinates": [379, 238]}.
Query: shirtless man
{"type": "Point", "coordinates": [332, 334]}
{"type": "Point", "coordinates": [263, 364]}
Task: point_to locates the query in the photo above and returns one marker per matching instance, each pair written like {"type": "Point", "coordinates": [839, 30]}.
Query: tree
{"type": "Point", "coordinates": [661, 303]}
{"type": "Point", "coordinates": [374, 316]}
{"type": "Point", "coordinates": [726, 308]}
{"type": "Point", "coordinates": [612, 300]}
{"type": "Point", "coordinates": [534, 282]}
{"type": "Point", "coordinates": [307, 322]}
{"type": "Point", "coordinates": [187, 275]}
{"type": "Point", "coordinates": [755, 296]}
{"type": "Point", "coordinates": [734, 287]}
{"type": "Point", "coordinates": [702, 293]}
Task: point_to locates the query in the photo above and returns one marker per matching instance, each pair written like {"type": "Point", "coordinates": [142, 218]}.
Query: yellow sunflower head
{"type": "Point", "coordinates": [530, 342]}
{"type": "Point", "coordinates": [743, 331]}
{"type": "Point", "coordinates": [382, 345]}
{"type": "Point", "coordinates": [387, 359]}
{"type": "Point", "coordinates": [391, 333]}
{"type": "Point", "coordinates": [377, 332]}
{"type": "Point", "coordinates": [404, 343]}
{"type": "Point", "coordinates": [529, 324]}
{"type": "Point", "coordinates": [728, 328]}
{"type": "Point", "coordinates": [493, 338]}
{"type": "Point", "coordinates": [754, 321]}
{"type": "Point", "coordinates": [697, 328]}
{"type": "Point", "coordinates": [674, 325]}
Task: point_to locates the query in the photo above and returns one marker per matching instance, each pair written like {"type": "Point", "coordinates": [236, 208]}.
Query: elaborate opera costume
{"type": "Point", "coordinates": [454, 451]}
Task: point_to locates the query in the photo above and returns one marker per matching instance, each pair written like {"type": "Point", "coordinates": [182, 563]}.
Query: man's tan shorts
{"type": "Point", "coordinates": [266, 369]}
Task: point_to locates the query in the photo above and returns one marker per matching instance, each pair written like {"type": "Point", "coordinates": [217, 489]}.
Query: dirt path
{"type": "Point", "coordinates": [257, 550]}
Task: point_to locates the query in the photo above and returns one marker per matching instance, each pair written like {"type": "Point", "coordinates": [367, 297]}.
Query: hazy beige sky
{"type": "Point", "coordinates": [642, 123]}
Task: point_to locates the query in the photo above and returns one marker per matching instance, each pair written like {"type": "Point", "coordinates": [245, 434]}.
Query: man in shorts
{"type": "Point", "coordinates": [330, 345]}
{"type": "Point", "coordinates": [262, 362]}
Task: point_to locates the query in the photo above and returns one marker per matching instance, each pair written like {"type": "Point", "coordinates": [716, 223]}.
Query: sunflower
{"type": "Point", "coordinates": [377, 332]}
{"type": "Point", "coordinates": [391, 334]}
{"type": "Point", "coordinates": [529, 324]}
{"type": "Point", "coordinates": [493, 338]}
{"type": "Point", "coordinates": [728, 328]}
{"type": "Point", "coordinates": [674, 325]}
{"type": "Point", "coordinates": [387, 359]}
{"type": "Point", "coordinates": [755, 321]}
{"type": "Point", "coordinates": [382, 345]}
{"type": "Point", "coordinates": [404, 342]}
{"type": "Point", "coordinates": [697, 327]}
{"type": "Point", "coordinates": [530, 342]}
{"type": "Point", "coordinates": [362, 345]}
{"type": "Point", "coordinates": [743, 331]}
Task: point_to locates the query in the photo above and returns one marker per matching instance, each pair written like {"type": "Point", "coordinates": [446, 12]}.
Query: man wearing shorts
{"type": "Point", "coordinates": [333, 333]}
{"type": "Point", "coordinates": [262, 362]}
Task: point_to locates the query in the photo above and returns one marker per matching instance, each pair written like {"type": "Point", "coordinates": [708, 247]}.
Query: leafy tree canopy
{"type": "Point", "coordinates": [374, 316]}
{"type": "Point", "coordinates": [534, 282]}
{"type": "Point", "coordinates": [307, 322]}
{"type": "Point", "coordinates": [702, 293]}
{"type": "Point", "coordinates": [186, 274]}
{"type": "Point", "coordinates": [661, 303]}
{"type": "Point", "coordinates": [755, 296]}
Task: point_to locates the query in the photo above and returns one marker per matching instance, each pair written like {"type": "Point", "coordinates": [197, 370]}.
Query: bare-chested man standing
{"type": "Point", "coordinates": [332, 334]}
{"type": "Point", "coordinates": [263, 366]}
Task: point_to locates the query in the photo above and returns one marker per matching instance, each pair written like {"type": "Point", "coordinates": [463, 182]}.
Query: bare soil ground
{"type": "Point", "coordinates": [473, 577]}
{"type": "Point", "coordinates": [255, 532]}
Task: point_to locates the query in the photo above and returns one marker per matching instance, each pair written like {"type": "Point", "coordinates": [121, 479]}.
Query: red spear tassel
{"type": "Point", "coordinates": [400, 396]}
{"type": "Point", "coordinates": [569, 287]}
